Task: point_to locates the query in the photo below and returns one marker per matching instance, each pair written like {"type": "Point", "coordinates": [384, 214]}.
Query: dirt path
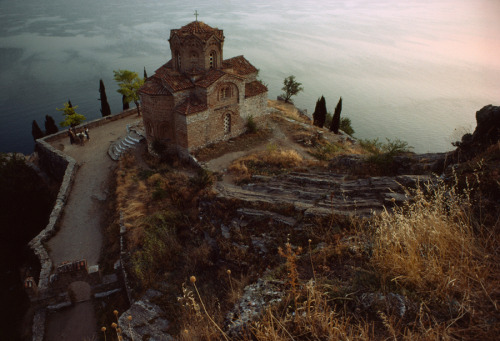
{"type": "Point", "coordinates": [279, 138]}
{"type": "Point", "coordinates": [80, 234]}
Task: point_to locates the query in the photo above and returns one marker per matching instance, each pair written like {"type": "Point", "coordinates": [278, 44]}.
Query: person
{"type": "Point", "coordinates": [87, 133]}
{"type": "Point", "coordinates": [80, 137]}
{"type": "Point", "coordinates": [71, 137]}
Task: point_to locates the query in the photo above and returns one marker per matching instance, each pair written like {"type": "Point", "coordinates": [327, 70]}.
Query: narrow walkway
{"type": "Point", "coordinates": [80, 235]}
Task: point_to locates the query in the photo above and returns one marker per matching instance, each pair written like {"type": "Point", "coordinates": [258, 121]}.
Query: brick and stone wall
{"type": "Point", "coordinates": [255, 106]}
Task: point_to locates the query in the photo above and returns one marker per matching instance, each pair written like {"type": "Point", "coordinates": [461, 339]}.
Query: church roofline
{"type": "Point", "coordinates": [190, 106]}
{"type": "Point", "coordinates": [254, 88]}
{"type": "Point", "coordinates": [153, 86]}
{"type": "Point", "coordinates": [198, 29]}
{"type": "Point", "coordinates": [240, 65]}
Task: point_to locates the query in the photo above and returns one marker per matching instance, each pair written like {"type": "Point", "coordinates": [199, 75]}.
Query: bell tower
{"type": "Point", "coordinates": [196, 48]}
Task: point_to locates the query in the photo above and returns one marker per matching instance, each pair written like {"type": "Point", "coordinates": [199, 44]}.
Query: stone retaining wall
{"type": "Point", "coordinates": [63, 168]}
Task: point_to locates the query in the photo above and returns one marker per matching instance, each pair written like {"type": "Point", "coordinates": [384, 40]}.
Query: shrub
{"type": "Point", "coordinates": [373, 146]}
{"type": "Point", "coordinates": [396, 147]}
{"type": "Point", "coordinates": [251, 125]}
{"type": "Point", "coordinates": [381, 160]}
{"type": "Point", "coordinates": [346, 126]}
{"type": "Point", "coordinates": [325, 152]}
{"type": "Point", "coordinates": [203, 179]}
{"type": "Point", "coordinates": [160, 249]}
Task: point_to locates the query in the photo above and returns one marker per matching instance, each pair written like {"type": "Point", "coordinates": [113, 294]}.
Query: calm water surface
{"type": "Point", "coordinates": [414, 69]}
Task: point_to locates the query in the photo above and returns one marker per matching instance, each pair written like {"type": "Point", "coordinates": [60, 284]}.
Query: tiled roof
{"type": "Point", "coordinates": [254, 88]}
{"type": "Point", "coordinates": [173, 79]}
{"type": "Point", "coordinates": [153, 86]}
{"type": "Point", "coordinates": [199, 29]}
{"type": "Point", "coordinates": [190, 106]}
{"type": "Point", "coordinates": [209, 78]}
{"type": "Point", "coordinates": [239, 65]}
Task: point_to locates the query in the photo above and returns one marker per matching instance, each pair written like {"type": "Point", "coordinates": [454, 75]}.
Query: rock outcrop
{"type": "Point", "coordinates": [146, 319]}
{"type": "Point", "coordinates": [487, 133]}
{"type": "Point", "coordinates": [321, 193]}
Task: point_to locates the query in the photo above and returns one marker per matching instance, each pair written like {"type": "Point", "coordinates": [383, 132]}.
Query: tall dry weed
{"type": "Point", "coordinates": [434, 248]}
{"type": "Point", "coordinates": [313, 319]}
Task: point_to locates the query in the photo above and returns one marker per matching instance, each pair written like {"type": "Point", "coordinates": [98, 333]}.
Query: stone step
{"type": "Point", "coordinates": [126, 143]}
{"type": "Point", "coordinates": [130, 140]}
{"type": "Point", "coordinates": [119, 147]}
{"type": "Point", "coordinates": [134, 137]}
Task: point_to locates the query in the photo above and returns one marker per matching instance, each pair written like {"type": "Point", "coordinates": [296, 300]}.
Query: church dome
{"type": "Point", "coordinates": [198, 29]}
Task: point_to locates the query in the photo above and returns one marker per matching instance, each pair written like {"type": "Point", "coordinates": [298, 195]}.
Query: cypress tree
{"type": "Point", "coordinates": [36, 131]}
{"type": "Point", "coordinates": [145, 74]}
{"type": "Point", "coordinates": [336, 117]}
{"type": "Point", "coordinates": [50, 125]}
{"type": "Point", "coordinates": [105, 109]}
{"type": "Point", "coordinates": [316, 113]}
{"type": "Point", "coordinates": [322, 115]}
{"type": "Point", "coordinates": [126, 105]}
{"type": "Point", "coordinates": [69, 103]}
{"type": "Point", "coordinates": [319, 115]}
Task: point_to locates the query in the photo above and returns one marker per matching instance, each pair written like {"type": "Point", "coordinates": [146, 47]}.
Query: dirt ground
{"type": "Point", "coordinates": [80, 234]}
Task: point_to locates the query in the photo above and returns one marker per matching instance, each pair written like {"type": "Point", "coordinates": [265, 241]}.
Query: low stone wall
{"type": "Point", "coordinates": [90, 124]}
{"type": "Point", "coordinates": [62, 167]}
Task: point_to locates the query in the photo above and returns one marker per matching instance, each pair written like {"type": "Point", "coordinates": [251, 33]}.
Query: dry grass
{"type": "Point", "coordinates": [271, 161]}
{"type": "Point", "coordinates": [435, 248]}
{"type": "Point", "coordinates": [313, 319]}
{"type": "Point", "coordinates": [434, 252]}
{"type": "Point", "coordinates": [288, 110]}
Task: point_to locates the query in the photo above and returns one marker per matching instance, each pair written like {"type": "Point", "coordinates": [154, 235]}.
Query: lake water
{"type": "Point", "coordinates": [416, 70]}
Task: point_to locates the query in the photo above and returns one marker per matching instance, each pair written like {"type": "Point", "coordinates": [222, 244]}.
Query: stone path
{"type": "Point", "coordinates": [80, 235]}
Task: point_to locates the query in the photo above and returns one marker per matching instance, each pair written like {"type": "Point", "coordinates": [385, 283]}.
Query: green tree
{"type": "Point", "coordinates": [71, 117]}
{"type": "Point", "coordinates": [36, 131]}
{"type": "Point", "coordinates": [126, 105]}
{"type": "Point", "coordinates": [346, 125]}
{"type": "Point", "coordinates": [50, 125]}
{"type": "Point", "coordinates": [129, 83]}
{"type": "Point", "coordinates": [291, 88]}
{"type": "Point", "coordinates": [105, 109]}
{"type": "Point", "coordinates": [319, 115]}
{"type": "Point", "coordinates": [145, 74]}
{"type": "Point", "coordinates": [336, 117]}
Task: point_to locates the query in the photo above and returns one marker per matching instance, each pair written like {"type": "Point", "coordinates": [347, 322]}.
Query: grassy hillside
{"type": "Point", "coordinates": [425, 270]}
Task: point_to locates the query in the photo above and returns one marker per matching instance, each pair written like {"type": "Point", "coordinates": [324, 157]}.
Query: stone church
{"type": "Point", "coordinates": [198, 97]}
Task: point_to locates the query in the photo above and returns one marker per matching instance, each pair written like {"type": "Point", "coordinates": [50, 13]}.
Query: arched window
{"type": "Point", "coordinates": [227, 123]}
{"type": "Point", "coordinates": [225, 92]}
{"type": "Point", "coordinates": [194, 58]}
{"type": "Point", "coordinates": [213, 60]}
